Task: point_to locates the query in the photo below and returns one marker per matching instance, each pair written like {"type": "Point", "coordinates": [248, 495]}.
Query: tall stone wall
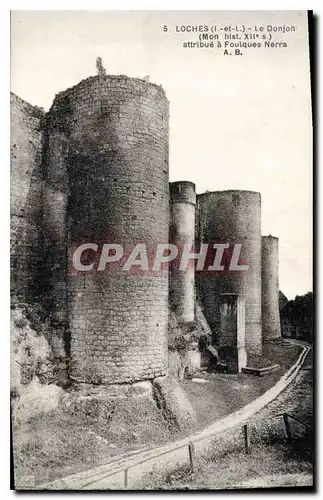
{"type": "Point", "coordinates": [270, 288]}
{"type": "Point", "coordinates": [95, 170]}
{"type": "Point", "coordinates": [182, 232]}
{"type": "Point", "coordinates": [107, 182]}
{"type": "Point", "coordinates": [232, 217]}
{"type": "Point", "coordinates": [54, 206]}
{"type": "Point", "coordinates": [25, 197]}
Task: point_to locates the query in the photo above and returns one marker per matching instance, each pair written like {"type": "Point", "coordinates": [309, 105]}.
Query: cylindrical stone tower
{"type": "Point", "coordinates": [182, 230]}
{"type": "Point", "coordinates": [111, 157]}
{"type": "Point", "coordinates": [232, 217]}
{"type": "Point", "coordinates": [270, 288]}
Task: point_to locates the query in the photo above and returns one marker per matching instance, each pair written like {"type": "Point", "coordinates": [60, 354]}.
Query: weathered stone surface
{"type": "Point", "coordinates": [232, 217]}
{"type": "Point", "coordinates": [106, 171]}
{"type": "Point", "coordinates": [182, 228]}
{"type": "Point", "coordinates": [25, 195]}
{"type": "Point", "coordinates": [127, 412]}
{"type": "Point", "coordinates": [35, 400]}
{"type": "Point", "coordinates": [185, 353]}
{"type": "Point", "coordinates": [232, 335]}
{"type": "Point", "coordinates": [174, 403]}
{"type": "Point", "coordinates": [140, 389]}
{"type": "Point", "coordinates": [271, 328]}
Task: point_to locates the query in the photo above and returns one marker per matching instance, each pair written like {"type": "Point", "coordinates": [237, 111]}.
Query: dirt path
{"type": "Point", "coordinates": [272, 461]}
{"type": "Point", "coordinates": [297, 399]}
{"type": "Point", "coordinates": [226, 393]}
{"type": "Point", "coordinates": [166, 457]}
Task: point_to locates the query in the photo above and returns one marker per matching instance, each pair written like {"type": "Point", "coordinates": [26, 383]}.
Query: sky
{"type": "Point", "coordinates": [235, 122]}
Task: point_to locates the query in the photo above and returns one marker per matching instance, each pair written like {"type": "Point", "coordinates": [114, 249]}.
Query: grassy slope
{"type": "Point", "coordinates": [233, 469]}
{"type": "Point", "coordinates": [225, 393]}
{"type": "Point", "coordinates": [226, 465]}
{"type": "Point", "coordinates": [58, 444]}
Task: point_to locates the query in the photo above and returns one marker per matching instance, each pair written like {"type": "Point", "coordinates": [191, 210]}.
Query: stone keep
{"type": "Point", "coordinates": [107, 182]}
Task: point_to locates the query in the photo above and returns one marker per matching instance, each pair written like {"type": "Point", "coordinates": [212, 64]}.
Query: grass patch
{"type": "Point", "coordinates": [226, 393]}
{"type": "Point", "coordinates": [57, 444]}
{"type": "Point", "coordinates": [225, 464]}
{"type": "Point", "coordinates": [232, 469]}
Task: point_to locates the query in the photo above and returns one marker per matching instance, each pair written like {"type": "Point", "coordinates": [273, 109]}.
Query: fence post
{"type": "Point", "coordinates": [288, 430]}
{"type": "Point", "coordinates": [191, 451]}
{"type": "Point", "coordinates": [246, 436]}
{"type": "Point", "coordinates": [125, 479]}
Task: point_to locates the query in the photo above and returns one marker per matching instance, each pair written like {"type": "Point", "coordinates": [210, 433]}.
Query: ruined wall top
{"type": "Point", "coordinates": [101, 80]}
{"type": "Point", "coordinates": [182, 192]}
